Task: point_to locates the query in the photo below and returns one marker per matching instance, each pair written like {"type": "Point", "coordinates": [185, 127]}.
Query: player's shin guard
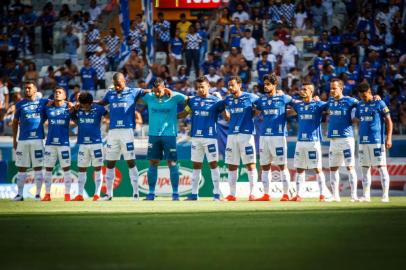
{"type": "Point", "coordinates": [20, 182]}
{"type": "Point", "coordinates": [174, 173]}
{"type": "Point", "coordinates": [385, 181]}
{"type": "Point", "coordinates": [285, 176]}
{"type": "Point", "coordinates": [253, 178]}
{"type": "Point", "coordinates": [98, 182]}
{"type": "Point", "coordinates": [366, 182]}
{"type": "Point", "coordinates": [232, 181]}
{"type": "Point", "coordinates": [110, 175]}
{"type": "Point", "coordinates": [67, 179]}
{"type": "Point", "coordinates": [48, 182]}
{"type": "Point", "coordinates": [300, 179]}
{"type": "Point", "coordinates": [352, 177]}
{"type": "Point", "coordinates": [81, 182]}
{"type": "Point", "coordinates": [321, 180]}
{"type": "Point", "coordinates": [335, 183]}
{"type": "Point", "coordinates": [38, 178]}
{"type": "Point", "coordinates": [195, 180]}
{"type": "Point", "coordinates": [215, 176]}
{"type": "Point", "coordinates": [265, 181]}
{"type": "Point", "coordinates": [134, 179]}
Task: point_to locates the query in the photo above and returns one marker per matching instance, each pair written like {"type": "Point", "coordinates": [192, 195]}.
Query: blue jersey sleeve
{"type": "Point", "coordinates": [106, 98]}
{"type": "Point", "coordinates": [220, 105]}
{"type": "Point", "coordinates": [383, 109]}
{"type": "Point", "coordinates": [257, 104]}
{"type": "Point", "coordinates": [253, 98]}
{"type": "Point", "coordinates": [323, 105]}
{"type": "Point", "coordinates": [17, 114]}
{"type": "Point", "coordinates": [287, 99]}
{"type": "Point", "coordinates": [138, 92]}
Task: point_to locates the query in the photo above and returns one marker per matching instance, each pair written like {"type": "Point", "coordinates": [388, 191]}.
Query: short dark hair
{"type": "Point", "coordinates": [31, 82]}
{"type": "Point", "coordinates": [264, 53]}
{"type": "Point", "coordinates": [363, 87]}
{"type": "Point", "coordinates": [202, 79]}
{"type": "Point", "coordinates": [160, 14]}
{"type": "Point", "coordinates": [115, 76]}
{"type": "Point", "coordinates": [272, 78]}
{"type": "Point", "coordinates": [58, 87]}
{"type": "Point", "coordinates": [157, 82]}
{"type": "Point", "coordinates": [235, 78]}
{"type": "Point", "coordinates": [85, 98]}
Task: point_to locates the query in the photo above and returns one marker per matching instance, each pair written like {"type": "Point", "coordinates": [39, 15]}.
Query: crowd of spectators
{"type": "Point", "coordinates": [300, 41]}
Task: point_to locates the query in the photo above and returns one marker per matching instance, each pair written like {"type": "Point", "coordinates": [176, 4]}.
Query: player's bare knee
{"type": "Point", "coordinates": [334, 169]}
{"type": "Point", "coordinates": [232, 167]}
{"type": "Point", "coordinates": [197, 165]}
{"type": "Point", "coordinates": [300, 170]}
{"type": "Point", "coordinates": [131, 163]}
{"type": "Point", "coordinates": [111, 164]}
{"type": "Point", "coordinates": [266, 167]}
{"type": "Point", "coordinates": [171, 163]}
{"type": "Point", "coordinates": [97, 169]}
{"type": "Point", "coordinates": [213, 164]}
{"type": "Point", "coordinates": [22, 169]}
{"type": "Point", "coordinates": [154, 163]}
{"type": "Point", "coordinates": [251, 166]}
{"type": "Point", "coordinates": [281, 167]}
{"type": "Point", "coordinates": [317, 170]}
{"type": "Point", "coordinates": [66, 169]}
{"type": "Point", "coordinates": [48, 169]}
{"type": "Point", "coordinates": [82, 169]}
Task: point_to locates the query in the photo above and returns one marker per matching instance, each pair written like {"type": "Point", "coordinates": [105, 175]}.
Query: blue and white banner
{"type": "Point", "coordinates": [148, 11]}
{"type": "Point", "coordinates": [124, 18]}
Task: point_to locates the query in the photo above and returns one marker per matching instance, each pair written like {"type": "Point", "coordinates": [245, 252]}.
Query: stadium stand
{"type": "Point", "coordinates": [302, 40]}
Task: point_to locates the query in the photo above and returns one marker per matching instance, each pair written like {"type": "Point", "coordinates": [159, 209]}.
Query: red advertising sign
{"type": "Point", "coordinates": [189, 3]}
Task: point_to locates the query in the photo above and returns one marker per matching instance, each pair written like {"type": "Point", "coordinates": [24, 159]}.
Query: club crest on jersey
{"type": "Point", "coordinates": [202, 103]}
{"type": "Point", "coordinates": [236, 101]}
{"type": "Point", "coordinates": [269, 102]}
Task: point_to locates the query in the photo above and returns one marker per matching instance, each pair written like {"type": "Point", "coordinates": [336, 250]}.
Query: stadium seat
{"type": "Point", "coordinates": [109, 78]}
{"type": "Point", "coordinates": [100, 94]}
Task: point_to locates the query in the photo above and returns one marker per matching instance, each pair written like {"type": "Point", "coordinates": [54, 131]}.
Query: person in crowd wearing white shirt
{"type": "Point", "coordinates": [290, 57]}
{"type": "Point", "coordinates": [248, 45]}
{"type": "Point", "coordinates": [276, 44]}
{"type": "Point", "coordinates": [4, 98]}
{"type": "Point", "coordinates": [94, 10]}
{"type": "Point", "coordinates": [241, 14]}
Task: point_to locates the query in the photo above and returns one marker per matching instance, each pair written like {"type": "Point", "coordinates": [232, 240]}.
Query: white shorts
{"type": "Point", "coordinates": [90, 155]}
{"type": "Point", "coordinates": [204, 146]}
{"type": "Point", "coordinates": [308, 155]}
{"type": "Point", "coordinates": [240, 146]}
{"type": "Point", "coordinates": [342, 152]}
{"type": "Point", "coordinates": [177, 56]}
{"type": "Point", "coordinates": [55, 153]}
{"type": "Point", "coordinates": [272, 149]}
{"type": "Point", "coordinates": [120, 142]}
{"type": "Point", "coordinates": [29, 153]}
{"type": "Point", "coordinates": [372, 155]}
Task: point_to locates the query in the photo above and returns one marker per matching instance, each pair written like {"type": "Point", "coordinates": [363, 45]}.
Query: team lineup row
{"type": "Point", "coordinates": [238, 108]}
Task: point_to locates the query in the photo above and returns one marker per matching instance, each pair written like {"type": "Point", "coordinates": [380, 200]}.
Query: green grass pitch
{"type": "Point", "coordinates": [123, 234]}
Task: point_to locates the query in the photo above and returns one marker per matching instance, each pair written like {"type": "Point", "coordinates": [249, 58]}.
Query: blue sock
{"type": "Point", "coordinates": [152, 178]}
{"type": "Point", "coordinates": [174, 172]}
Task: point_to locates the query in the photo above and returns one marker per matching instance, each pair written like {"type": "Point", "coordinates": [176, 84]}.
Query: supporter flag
{"type": "Point", "coordinates": [124, 18]}
{"type": "Point", "coordinates": [147, 6]}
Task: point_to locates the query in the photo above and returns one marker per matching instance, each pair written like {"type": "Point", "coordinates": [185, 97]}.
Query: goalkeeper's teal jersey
{"type": "Point", "coordinates": [163, 113]}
